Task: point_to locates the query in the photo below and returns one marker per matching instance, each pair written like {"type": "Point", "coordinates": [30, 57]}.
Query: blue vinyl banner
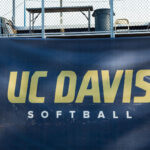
{"type": "Point", "coordinates": [75, 94]}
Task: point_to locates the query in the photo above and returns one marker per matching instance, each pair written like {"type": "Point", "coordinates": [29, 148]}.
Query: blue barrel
{"type": "Point", "coordinates": [102, 19]}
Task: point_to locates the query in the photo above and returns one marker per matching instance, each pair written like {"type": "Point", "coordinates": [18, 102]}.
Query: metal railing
{"type": "Point", "coordinates": [125, 16]}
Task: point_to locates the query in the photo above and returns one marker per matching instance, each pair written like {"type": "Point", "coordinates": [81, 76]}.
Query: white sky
{"type": "Point", "coordinates": [134, 10]}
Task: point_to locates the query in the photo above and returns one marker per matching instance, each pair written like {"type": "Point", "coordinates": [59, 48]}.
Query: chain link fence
{"type": "Point", "coordinates": [131, 15]}
{"type": "Point", "coordinates": [128, 15]}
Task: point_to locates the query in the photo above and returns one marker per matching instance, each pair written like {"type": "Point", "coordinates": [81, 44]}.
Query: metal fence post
{"type": "Point", "coordinates": [14, 12]}
{"type": "Point", "coordinates": [43, 20]}
{"type": "Point", "coordinates": [112, 19]}
{"type": "Point", "coordinates": [24, 13]}
{"type": "Point", "coordinates": [61, 14]}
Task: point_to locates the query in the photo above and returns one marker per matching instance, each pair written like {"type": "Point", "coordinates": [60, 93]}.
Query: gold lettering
{"type": "Point", "coordinates": [94, 91]}
{"type": "Point", "coordinates": [143, 85]}
{"type": "Point", "coordinates": [127, 86]}
{"type": "Point", "coordinates": [110, 91]}
{"type": "Point", "coordinates": [34, 85]}
{"type": "Point", "coordinates": [59, 98]}
{"type": "Point", "coordinates": [23, 88]}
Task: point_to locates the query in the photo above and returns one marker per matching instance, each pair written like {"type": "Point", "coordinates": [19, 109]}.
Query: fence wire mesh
{"type": "Point", "coordinates": [128, 15]}
{"type": "Point", "coordinates": [131, 15]}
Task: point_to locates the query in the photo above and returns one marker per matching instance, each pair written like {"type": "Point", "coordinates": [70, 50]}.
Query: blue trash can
{"type": "Point", "coordinates": [102, 19]}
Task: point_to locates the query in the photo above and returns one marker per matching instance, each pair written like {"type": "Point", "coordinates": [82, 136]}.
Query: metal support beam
{"type": "Point", "coordinates": [61, 17]}
{"type": "Point", "coordinates": [14, 11]}
{"type": "Point", "coordinates": [112, 19]}
{"type": "Point", "coordinates": [24, 13]}
{"type": "Point", "coordinates": [43, 20]}
{"type": "Point", "coordinates": [30, 22]}
{"type": "Point", "coordinates": [89, 20]}
{"type": "Point", "coordinates": [61, 14]}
